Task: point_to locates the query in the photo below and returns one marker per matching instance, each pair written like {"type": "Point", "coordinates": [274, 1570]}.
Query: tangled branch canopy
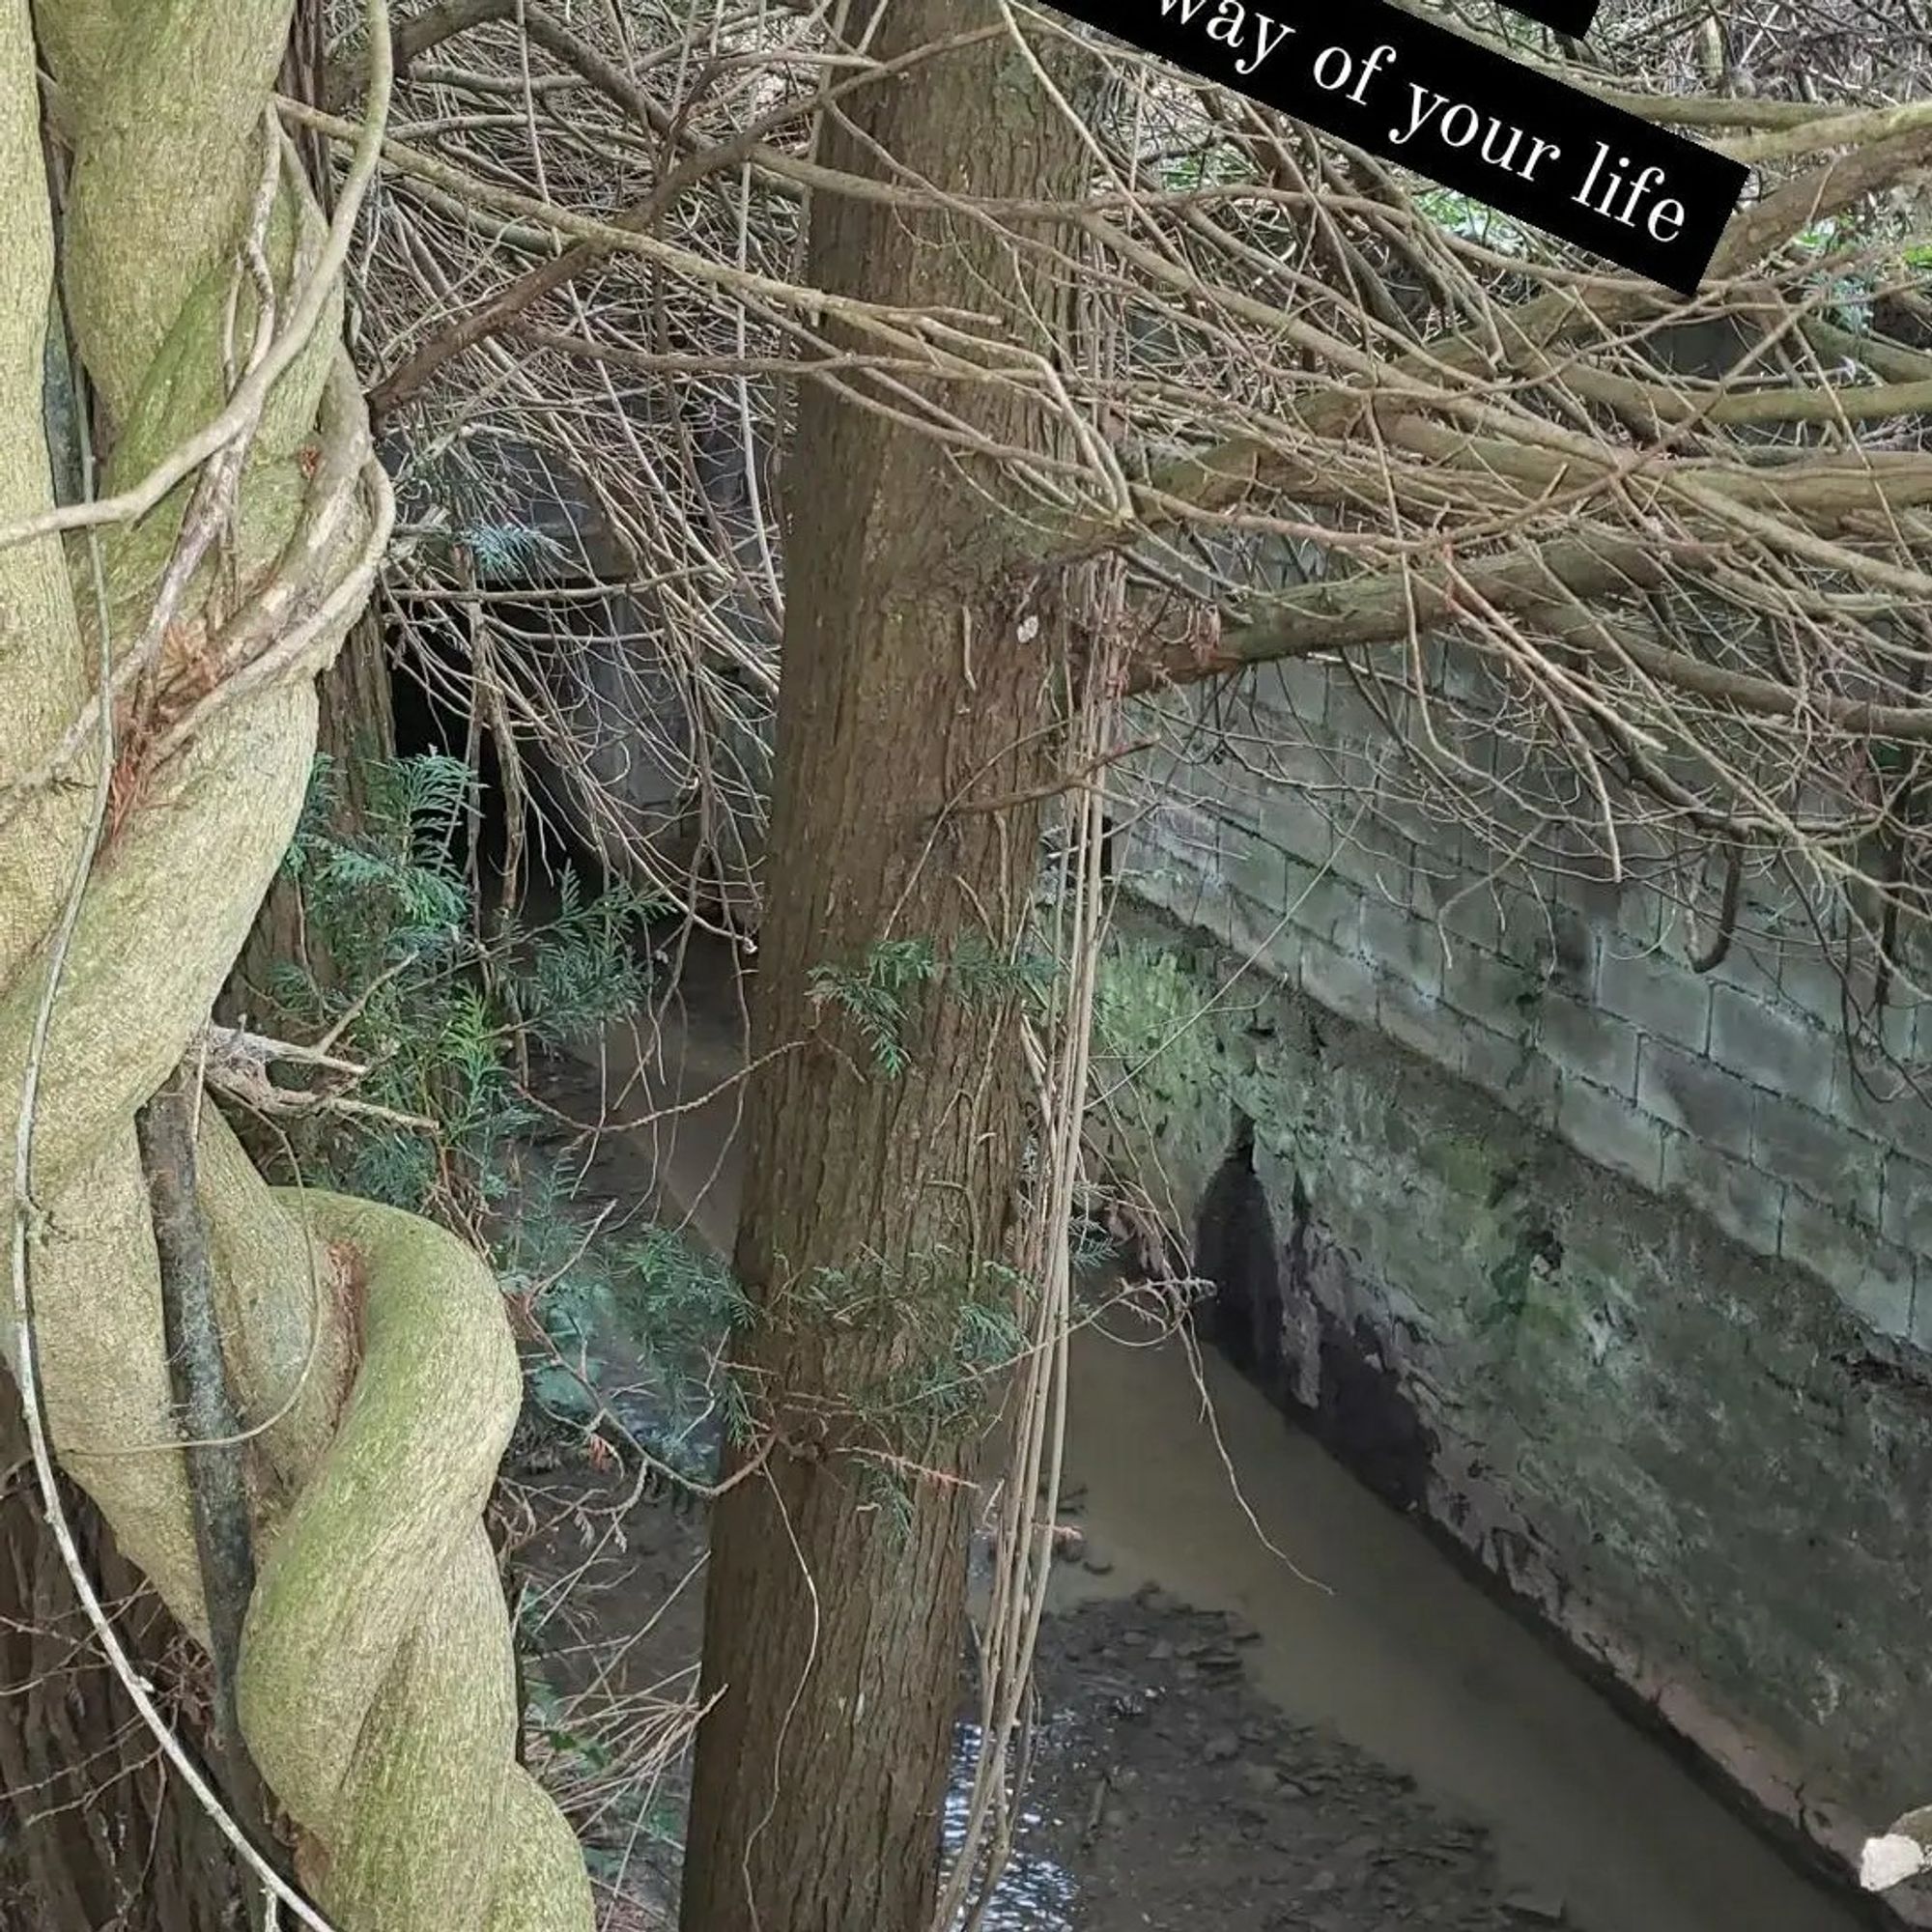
{"type": "Point", "coordinates": [1675, 553]}
{"type": "Point", "coordinates": [1673, 558]}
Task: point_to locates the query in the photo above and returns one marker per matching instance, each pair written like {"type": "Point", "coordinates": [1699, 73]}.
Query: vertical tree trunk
{"type": "Point", "coordinates": [356, 723]}
{"type": "Point", "coordinates": [913, 677]}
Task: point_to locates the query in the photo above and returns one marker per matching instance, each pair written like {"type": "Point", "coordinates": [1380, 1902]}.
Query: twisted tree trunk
{"type": "Point", "coordinates": [356, 724]}
{"type": "Point", "coordinates": [368, 1350]}
{"type": "Point", "coordinates": [917, 675]}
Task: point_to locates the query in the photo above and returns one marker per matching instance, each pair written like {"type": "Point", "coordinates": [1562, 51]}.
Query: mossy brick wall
{"type": "Point", "coordinates": [1571, 998]}
{"type": "Point", "coordinates": [1636, 1265]}
{"type": "Point", "coordinates": [1700, 1465]}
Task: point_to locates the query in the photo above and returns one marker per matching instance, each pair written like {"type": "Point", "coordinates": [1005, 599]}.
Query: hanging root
{"type": "Point", "coordinates": [1026, 1536]}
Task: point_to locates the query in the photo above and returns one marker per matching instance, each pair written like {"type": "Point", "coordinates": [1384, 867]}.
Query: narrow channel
{"type": "Point", "coordinates": [1392, 1647]}
{"type": "Point", "coordinates": [1408, 1659]}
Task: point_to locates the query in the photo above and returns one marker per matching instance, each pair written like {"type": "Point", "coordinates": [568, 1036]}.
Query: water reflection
{"type": "Point", "coordinates": [1033, 1895]}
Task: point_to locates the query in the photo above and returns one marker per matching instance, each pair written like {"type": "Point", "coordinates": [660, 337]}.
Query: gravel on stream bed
{"type": "Point", "coordinates": [1174, 1794]}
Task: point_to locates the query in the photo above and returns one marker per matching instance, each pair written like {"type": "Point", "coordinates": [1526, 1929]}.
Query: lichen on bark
{"type": "Point", "coordinates": [375, 1678]}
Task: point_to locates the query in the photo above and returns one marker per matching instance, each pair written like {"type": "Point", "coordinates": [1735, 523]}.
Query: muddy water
{"type": "Point", "coordinates": [1392, 1646]}
{"type": "Point", "coordinates": [1405, 1658]}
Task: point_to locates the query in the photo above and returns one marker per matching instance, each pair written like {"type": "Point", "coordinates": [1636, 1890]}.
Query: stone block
{"type": "Point", "coordinates": [1744, 1201]}
{"type": "Point", "coordinates": [1466, 678]}
{"type": "Point", "coordinates": [1297, 688]}
{"type": "Point", "coordinates": [1298, 821]}
{"type": "Point", "coordinates": [1818, 1156]}
{"type": "Point", "coordinates": [1178, 829]}
{"type": "Point", "coordinates": [1356, 713]}
{"type": "Point", "coordinates": [1574, 949]}
{"type": "Point", "coordinates": [1779, 1050]}
{"type": "Point", "coordinates": [1414, 1016]}
{"type": "Point", "coordinates": [1686, 1092]}
{"type": "Point", "coordinates": [1908, 1026]}
{"type": "Point", "coordinates": [1609, 1130]}
{"type": "Point", "coordinates": [1749, 967]}
{"type": "Point", "coordinates": [1640, 918]}
{"type": "Point", "coordinates": [1530, 931]}
{"type": "Point", "coordinates": [1656, 995]}
{"type": "Point", "coordinates": [1584, 1041]}
{"type": "Point", "coordinates": [1255, 867]}
{"type": "Point", "coordinates": [1874, 1279]}
{"type": "Point", "coordinates": [1500, 1063]}
{"type": "Point", "coordinates": [1498, 992]}
{"type": "Point", "coordinates": [1421, 820]}
{"type": "Point", "coordinates": [1345, 982]}
{"type": "Point", "coordinates": [1408, 947]}
{"type": "Point", "coordinates": [1468, 908]}
{"type": "Point", "coordinates": [1907, 1214]}
{"type": "Point", "coordinates": [1810, 983]}
{"type": "Point", "coordinates": [1434, 881]}
{"type": "Point", "coordinates": [1325, 905]}
{"type": "Point", "coordinates": [1299, 763]}
{"type": "Point", "coordinates": [1252, 932]}
{"type": "Point", "coordinates": [1372, 855]}
{"type": "Point", "coordinates": [1890, 1103]}
{"type": "Point", "coordinates": [1156, 882]}
{"type": "Point", "coordinates": [1921, 1306]}
{"type": "Point", "coordinates": [1595, 900]}
{"type": "Point", "coordinates": [1350, 774]}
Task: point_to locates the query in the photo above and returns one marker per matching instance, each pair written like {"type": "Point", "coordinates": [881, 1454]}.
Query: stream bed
{"type": "Point", "coordinates": [1338, 1733]}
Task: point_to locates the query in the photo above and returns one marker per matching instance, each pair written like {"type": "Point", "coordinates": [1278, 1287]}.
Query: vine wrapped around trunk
{"type": "Point", "coordinates": [368, 1350]}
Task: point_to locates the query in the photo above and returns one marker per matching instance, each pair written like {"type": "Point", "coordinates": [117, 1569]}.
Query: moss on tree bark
{"type": "Point", "coordinates": [374, 1678]}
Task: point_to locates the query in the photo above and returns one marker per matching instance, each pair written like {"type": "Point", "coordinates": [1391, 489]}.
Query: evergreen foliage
{"type": "Point", "coordinates": [876, 993]}
{"type": "Point", "coordinates": [440, 1016]}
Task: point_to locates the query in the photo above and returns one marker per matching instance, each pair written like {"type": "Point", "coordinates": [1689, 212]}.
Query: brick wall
{"type": "Point", "coordinates": [1570, 997]}
{"type": "Point", "coordinates": [1617, 1269]}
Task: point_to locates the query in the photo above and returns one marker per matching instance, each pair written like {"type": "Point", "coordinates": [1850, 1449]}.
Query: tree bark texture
{"type": "Point", "coordinates": [915, 673]}
{"type": "Point", "coordinates": [369, 1353]}
{"type": "Point", "coordinates": [356, 718]}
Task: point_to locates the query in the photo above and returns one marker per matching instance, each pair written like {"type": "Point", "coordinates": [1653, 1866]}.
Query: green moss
{"type": "Point", "coordinates": [1464, 1166]}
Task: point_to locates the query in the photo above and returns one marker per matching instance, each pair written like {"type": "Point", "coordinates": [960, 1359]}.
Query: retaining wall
{"type": "Point", "coordinates": [1618, 1269]}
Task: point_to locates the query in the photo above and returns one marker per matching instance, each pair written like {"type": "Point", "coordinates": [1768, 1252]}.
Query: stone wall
{"type": "Point", "coordinates": [1618, 1269]}
{"type": "Point", "coordinates": [1570, 998]}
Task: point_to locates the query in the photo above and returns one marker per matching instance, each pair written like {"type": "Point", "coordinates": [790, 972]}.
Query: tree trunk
{"type": "Point", "coordinates": [369, 1352]}
{"type": "Point", "coordinates": [355, 726]}
{"type": "Point", "coordinates": [913, 677]}
{"type": "Point", "coordinates": [98, 1833]}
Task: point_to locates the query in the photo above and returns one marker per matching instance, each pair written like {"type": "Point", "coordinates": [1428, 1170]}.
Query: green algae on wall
{"type": "Point", "coordinates": [1695, 1461]}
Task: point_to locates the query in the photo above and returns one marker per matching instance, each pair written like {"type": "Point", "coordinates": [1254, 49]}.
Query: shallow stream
{"type": "Point", "coordinates": [1391, 1646]}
